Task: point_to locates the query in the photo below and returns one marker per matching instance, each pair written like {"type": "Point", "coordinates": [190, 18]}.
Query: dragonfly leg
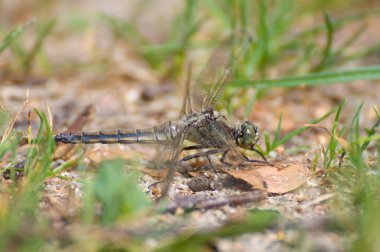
{"type": "Point", "coordinates": [188, 148]}
{"type": "Point", "coordinates": [264, 161]}
{"type": "Point", "coordinates": [261, 154]}
{"type": "Point", "coordinates": [208, 153]}
{"type": "Point", "coordinates": [202, 154]}
{"type": "Point", "coordinates": [223, 158]}
{"type": "Point", "coordinates": [194, 147]}
{"type": "Point", "coordinates": [254, 160]}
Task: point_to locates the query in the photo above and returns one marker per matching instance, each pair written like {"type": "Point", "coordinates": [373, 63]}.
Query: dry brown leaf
{"type": "Point", "coordinates": [272, 178]}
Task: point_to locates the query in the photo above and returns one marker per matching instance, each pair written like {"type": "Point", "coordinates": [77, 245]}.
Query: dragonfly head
{"type": "Point", "coordinates": [249, 135]}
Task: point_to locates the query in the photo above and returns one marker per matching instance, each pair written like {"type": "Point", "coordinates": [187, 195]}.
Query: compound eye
{"type": "Point", "coordinates": [249, 134]}
{"type": "Point", "coordinates": [244, 125]}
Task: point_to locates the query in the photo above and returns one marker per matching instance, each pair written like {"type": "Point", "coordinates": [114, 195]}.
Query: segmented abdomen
{"type": "Point", "coordinates": [158, 134]}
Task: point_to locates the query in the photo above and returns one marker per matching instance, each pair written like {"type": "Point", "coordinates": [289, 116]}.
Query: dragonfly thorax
{"type": "Point", "coordinates": [247, 135]}
{"type": "Point", "coordinates": [198, 118]}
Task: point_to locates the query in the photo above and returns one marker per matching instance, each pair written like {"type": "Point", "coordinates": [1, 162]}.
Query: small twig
{"type": "Point", "coordinates": [319, 199]}
{"type": "Point", "coordinates": [191, 203]}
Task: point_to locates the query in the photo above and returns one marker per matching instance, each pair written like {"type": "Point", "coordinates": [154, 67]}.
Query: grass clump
{"type": "Point", "coordinates": [355, 179]}
{"type": "Point", "coordinates": [23, 221]}
{"type": "Point", "coordinates": [117, 193]}
{"type": "Point", "coordinates": [21, 228]}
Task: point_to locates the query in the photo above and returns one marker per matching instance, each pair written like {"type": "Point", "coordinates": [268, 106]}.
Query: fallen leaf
{"type": "Point", "coordinates": [280, 178]}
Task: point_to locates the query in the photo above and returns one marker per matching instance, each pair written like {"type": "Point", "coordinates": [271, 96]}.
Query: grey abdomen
{"type": "Point", "coordinates": [158, 134]}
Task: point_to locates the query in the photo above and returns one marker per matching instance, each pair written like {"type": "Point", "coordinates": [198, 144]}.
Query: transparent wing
{"type": "Point", "coordinates": [208, 87]}
{"type": "Point", "coordinates": [187, 107]}
{"type": "Point", "coordinates": [168, 159]}
{"type": "Point", "coordinates": [216, 90]}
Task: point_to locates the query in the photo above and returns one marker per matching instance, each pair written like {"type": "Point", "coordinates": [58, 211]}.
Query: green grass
{"type": "Point", "coordinates": [234, 22]}
{"type": "Point", "coordinates": [324, 78]}
{"type": "Point", "coordinates": [26, 57]}
{"type": "Point", "coordinates": [19, 213]}
{"type": "Point", "coordinates": [13, 35]}
{"type": "Point", "coordinates": [172, 50]}
{"type": "Point", "coordinates": [357, 184]}
{"type": "Point", "coordinates": [278, 140]}
{"type": "Point", "coordinates": [256, 221]}
{"type": "Point", "coordinates": [333, 150]}
{"type": "Point", "coordinates": [25, 227]}
{"type": "Point", "coordinates": [117, 192]}
{"type": "Point", "coordinates": [307, 64]}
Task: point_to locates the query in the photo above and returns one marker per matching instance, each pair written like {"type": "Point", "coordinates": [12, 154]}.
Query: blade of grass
{"type": "Point", "coordinates": [123, 28]}
{"type": "Point", "coordinates": [372, 131]}
{"type": "Point", "coordinates": [336, 25]}
{"type": "Point", "coordinates": [43, 145]}
{"type": "Point", "coordinates": [372, 50]}
{"type": "Point", "coordinates": [243, 16]}
{"type": "Point", "coordinates": [356, 152]}
{"type": "Point", "coordinates": [281, 20]}
{"type": "Point", "coordinates": [252, 99]}
{"type": "Point", "coordinates": [118, 193]}
{"type": "Point", "coordinates": [187, 26]}
{"type": "Point", "coordinates": [19, 214]}
{"type": "Point", "coordinates": [13, 35]}
{"type": "Point", "coordinates": [365, 140]}
{"type": "Point", "coordinates": [218, 11]}
{"type": "Point", "coordinates": [46, 29]}
{"type": "Point", "coordinates": [354, 127]}
{"type": "Point", "coordinates": [346, 44]}
{"type": "Point", "coordinates": [263, 33]}
{"type": "Point", "coordinates": [8, 144]}
{"type": "Point", "coordinates": [10, 127]}
{"type": "Point", "coordinates": [293, 133]}
{"type": "Point", "coordinates": [278, 130]}
{"type": "Point", "coordinates": [317, 79]}
{"type": "Point", "coordinates": [329, 41]}
{"type": "Point", "coordinates": [256, 221]}
{"type": "Point", "coordinates": [72, 162]}
{"type": "Point", "coordinates": [267, 143]}
{"type": "Point", "coordinates": [331, 151]}
{"type": "Point", "coordinates": [357, 184]}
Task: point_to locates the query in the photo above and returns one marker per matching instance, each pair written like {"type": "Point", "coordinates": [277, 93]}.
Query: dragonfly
{"type": "Point", "coordinates": [199, 123]}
